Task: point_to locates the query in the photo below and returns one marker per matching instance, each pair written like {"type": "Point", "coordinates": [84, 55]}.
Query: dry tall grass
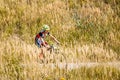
{"type": "Point", "coordinates": [88, 29]}
{"type": "Point", "coordinates": [20, 60]}
{"type": "Point", "coordinates": [91, 52]}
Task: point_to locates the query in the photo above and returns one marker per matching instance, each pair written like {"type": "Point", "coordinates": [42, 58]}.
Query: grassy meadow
{"type": "Point", "coordinates": [87, 29]}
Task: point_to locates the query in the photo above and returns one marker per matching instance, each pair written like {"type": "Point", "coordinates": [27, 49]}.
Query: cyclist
{"type": "Point", "coordinates": [40, 42]}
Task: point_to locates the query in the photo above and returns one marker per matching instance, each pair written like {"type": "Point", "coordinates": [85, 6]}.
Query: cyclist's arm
{"type": "Point", "coordinates": [53, 38]}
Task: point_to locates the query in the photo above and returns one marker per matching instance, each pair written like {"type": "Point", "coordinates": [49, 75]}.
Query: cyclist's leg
{"type": "Point", "coordinates": [43, 51]}
{"type": "Point", "coordinates": [41, 54]}
{"type": "Point", "coordinates": [39, 44]}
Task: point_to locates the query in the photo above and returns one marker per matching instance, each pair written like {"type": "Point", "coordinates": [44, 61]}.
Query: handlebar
{"type": "Point", "coordinates": [54, 48]}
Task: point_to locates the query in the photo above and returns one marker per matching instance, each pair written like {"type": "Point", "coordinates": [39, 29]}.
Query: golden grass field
{"type": "Point", "coordinates": [88, 31]}
{"type": "Point", "coordinates": [19, 60]}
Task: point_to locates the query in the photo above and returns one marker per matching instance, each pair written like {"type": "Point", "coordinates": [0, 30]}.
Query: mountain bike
{"type": "Point", "coordinates": [56, 55]}
{"type": "Point", "coordinates": [55, 58]}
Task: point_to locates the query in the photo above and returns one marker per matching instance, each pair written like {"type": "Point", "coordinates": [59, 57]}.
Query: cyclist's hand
{"type": "Point", "coordinates": [47, 46]}
{"type": "Point", "coordinates": [58, 43]}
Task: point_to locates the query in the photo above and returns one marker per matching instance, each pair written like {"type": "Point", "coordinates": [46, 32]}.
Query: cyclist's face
{"type": "Point", "coordinates": [46, 31]}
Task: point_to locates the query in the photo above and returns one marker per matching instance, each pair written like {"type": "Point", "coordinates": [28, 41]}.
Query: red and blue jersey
{"type": "Point", "coordinates": [42, 34]}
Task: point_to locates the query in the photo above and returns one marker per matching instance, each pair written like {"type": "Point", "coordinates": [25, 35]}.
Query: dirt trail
{"type": "Point", "coordinates": [70, 66]}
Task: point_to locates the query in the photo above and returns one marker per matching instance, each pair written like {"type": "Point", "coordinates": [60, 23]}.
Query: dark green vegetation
{"type": "Point", "coordinates": [80, 21]}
